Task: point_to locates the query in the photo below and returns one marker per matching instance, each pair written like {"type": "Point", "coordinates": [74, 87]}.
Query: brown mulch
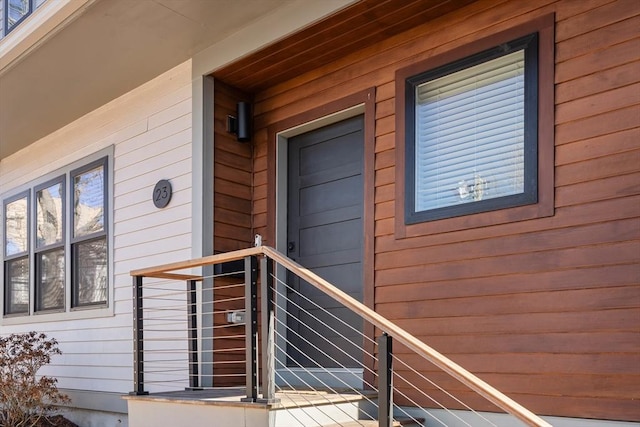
{"type": "Point", "coordinates": [56, 421]}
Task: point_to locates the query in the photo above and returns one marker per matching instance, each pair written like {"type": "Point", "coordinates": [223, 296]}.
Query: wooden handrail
{"type": "Point", "coordinates": [174, 276]}
{"type": "Point", "coordinates": [197, 262]}
{"type": "Point", "coordinates": [479, 386]}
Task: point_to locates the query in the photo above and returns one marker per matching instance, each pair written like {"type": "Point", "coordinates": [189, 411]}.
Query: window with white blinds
{"type": "Point", "coordinates": [470, 134]}
{"type": "Point", "coordinates": [468, 146]}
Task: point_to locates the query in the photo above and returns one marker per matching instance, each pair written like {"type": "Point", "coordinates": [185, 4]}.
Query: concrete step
{"type": "Point", "coordinates": [316, 416]}
{"type": "Point", "coordinates": [401, 422]}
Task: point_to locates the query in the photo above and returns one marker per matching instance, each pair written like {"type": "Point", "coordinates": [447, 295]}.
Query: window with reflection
{"type": "Point", "coordinates": [49, 251]}
{"type": "Point", "coordinates": [55, 252]}
{"type": "Point", "coordinates": [89, 248]}
{"type": "Point", "coordinates": [15, 11]}
{"type": "Point", "coordinates": [16, 255]}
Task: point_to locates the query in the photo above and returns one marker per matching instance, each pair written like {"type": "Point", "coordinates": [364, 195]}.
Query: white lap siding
{"type": "Point", "coordinates": [149, 129]}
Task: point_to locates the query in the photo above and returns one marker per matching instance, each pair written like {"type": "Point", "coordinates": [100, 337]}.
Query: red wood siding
{"type": "Point", "coordinates": [232, 229]}
{"type": "Point", "coordinates": [232, 176]}
{"type": "Point", "coordinates": [546, 309]}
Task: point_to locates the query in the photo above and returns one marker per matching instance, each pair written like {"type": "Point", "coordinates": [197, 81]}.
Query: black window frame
{"type": "Point", "coordinates": [39, 250]}
{"type": "Point", "coordinates": [5, 9]}
{"type": "Point", "coordinates": [104, 234]}
{"type": "Point", "coordinates": [529, 44]}
{"type": "Point", "coordinates": [64, 175]}
{"type": "Point", "coordinates": [17, 256]}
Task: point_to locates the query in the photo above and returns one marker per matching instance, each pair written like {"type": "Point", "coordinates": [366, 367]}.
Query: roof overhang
{"type": "Point", "coordinates": [72, 56]}
{"type": "Point", "coordinates": [348, 32]}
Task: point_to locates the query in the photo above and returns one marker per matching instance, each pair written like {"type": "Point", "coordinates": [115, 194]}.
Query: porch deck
{"type": "Point", "coordinates": [232, 396]}
{"type": "Point", "coordinates": [224, 406]}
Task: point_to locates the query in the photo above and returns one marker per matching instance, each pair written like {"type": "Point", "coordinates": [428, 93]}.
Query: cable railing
{"type": "Point", "coordinates": [295, 342]}
{"type": "Point", "coordinates": [179, 335]}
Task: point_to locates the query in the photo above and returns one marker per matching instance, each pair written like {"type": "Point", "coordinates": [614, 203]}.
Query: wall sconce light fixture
{"type": "Point", "coordinates": [240, 125]}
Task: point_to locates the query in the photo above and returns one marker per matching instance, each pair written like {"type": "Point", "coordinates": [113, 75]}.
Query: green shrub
{"type": "Point", "coordinates": [25, 398]}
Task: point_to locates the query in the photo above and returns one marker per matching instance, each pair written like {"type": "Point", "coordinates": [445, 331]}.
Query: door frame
{"type": "Point", "coordinates": [360, 103]}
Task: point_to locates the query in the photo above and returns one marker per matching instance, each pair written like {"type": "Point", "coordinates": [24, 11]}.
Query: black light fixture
{"type": "Point", "coordinates": [240, 125]}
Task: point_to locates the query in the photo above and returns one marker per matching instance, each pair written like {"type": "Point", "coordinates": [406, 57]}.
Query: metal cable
{"type": "Point", "coordinates": [315, 391]}
{"type": "Point", "coordinates": [182, 312]}
{"type": "Point", "coordinates": [321, 351]}
{"type": "Point", "coordinates": [322, 308]}
{"type": "Point", "coordinates": [326, 370]}
{"type": "Point", "coordinates": [284, 380]}
{"type": "Point", "coordinates": [396, 359]}
{"type": "Point", "coordinates": [331, 329]}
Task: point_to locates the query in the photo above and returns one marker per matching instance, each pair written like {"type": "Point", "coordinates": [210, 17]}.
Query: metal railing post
{"type": "Point", "coordinates": [385, 380]}
{"type": "Point", "coordinates": [268, 331]}
{"type": "Point", "coordinates": [138, 338]}
{"type": "Point", "coordinates": [251, 326]}
{"type": "Point", "coordinates": [194, 378]}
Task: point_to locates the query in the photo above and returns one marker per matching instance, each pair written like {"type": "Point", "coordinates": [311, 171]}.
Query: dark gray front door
{"type": "Point", "coordinates": [325, 234]}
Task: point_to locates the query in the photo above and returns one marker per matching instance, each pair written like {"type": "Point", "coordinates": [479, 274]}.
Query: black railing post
{"type": "Point", "coordinates": [194, 375]}
{"type": "Point", "coordinates": [268, 331]}
{"type": "Point", "coordinates": [138, 339]}
{"type": "Point", "coordinates": [251, 326]}
{"type": "Point", "coordinates": [385, 380]}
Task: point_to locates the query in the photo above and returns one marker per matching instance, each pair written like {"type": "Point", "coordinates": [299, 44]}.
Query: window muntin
{"type": "Point", "coordinates": [89, 247]}
{"type": "Point", "coordinates": [471, 134]}
{"type": "Point", "coordinates": [56, 250]}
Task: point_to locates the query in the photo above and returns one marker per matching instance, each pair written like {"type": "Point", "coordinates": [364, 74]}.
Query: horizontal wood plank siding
{"type": "Point", "coordinates": [545, 309]}
{"type": "Point", "coordinates": [232, 169]}
{"type": "Point", "coordinates": [232, 230]}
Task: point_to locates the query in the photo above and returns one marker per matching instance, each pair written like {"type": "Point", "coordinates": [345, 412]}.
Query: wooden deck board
{"type": "Point", "coordinates": [233, 396]}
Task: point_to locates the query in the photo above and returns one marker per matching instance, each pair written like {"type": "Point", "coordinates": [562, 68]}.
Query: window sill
{"type": "Point", "coordinates": [483, 219]}
{"type": "Point", "coordinates": [76, 314]}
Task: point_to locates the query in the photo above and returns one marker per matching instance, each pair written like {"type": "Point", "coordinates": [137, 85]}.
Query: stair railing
{"type": "Point", "coordinates": [268, 284]}
{"type": "Point", "coordinates": [173, 346]}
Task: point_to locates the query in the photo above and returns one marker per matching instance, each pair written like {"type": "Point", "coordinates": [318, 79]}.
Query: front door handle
{"type": "Point", "coordinates": [291, 246]}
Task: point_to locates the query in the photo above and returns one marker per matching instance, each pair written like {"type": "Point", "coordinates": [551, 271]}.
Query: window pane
{"type": "Point", "coordinates": [17, 9]}
{"type": "Point", "coordinates": [470, 134]}
{"type": "Point", "coordinates": [49, 215]}
{"type": "Point", "coordinates": [88, 202]}
{"type": "Point", "coordinates": [17, 286]}
{"type": "Point", "coordinates": [90, 265]}
{"type": "Point", "coordinates": [16, 226]}
{"type": "Point", "coordinates": [50, 284]}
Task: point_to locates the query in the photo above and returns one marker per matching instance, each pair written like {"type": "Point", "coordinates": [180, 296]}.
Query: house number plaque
{"type": "Point", "coordinates": [162, 193]}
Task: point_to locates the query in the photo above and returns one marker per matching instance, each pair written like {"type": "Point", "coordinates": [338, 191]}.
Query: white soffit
{"type": "Point", "coordinates": [37, 28]}
{"type": "Point", "coordinates": [105, 48]}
